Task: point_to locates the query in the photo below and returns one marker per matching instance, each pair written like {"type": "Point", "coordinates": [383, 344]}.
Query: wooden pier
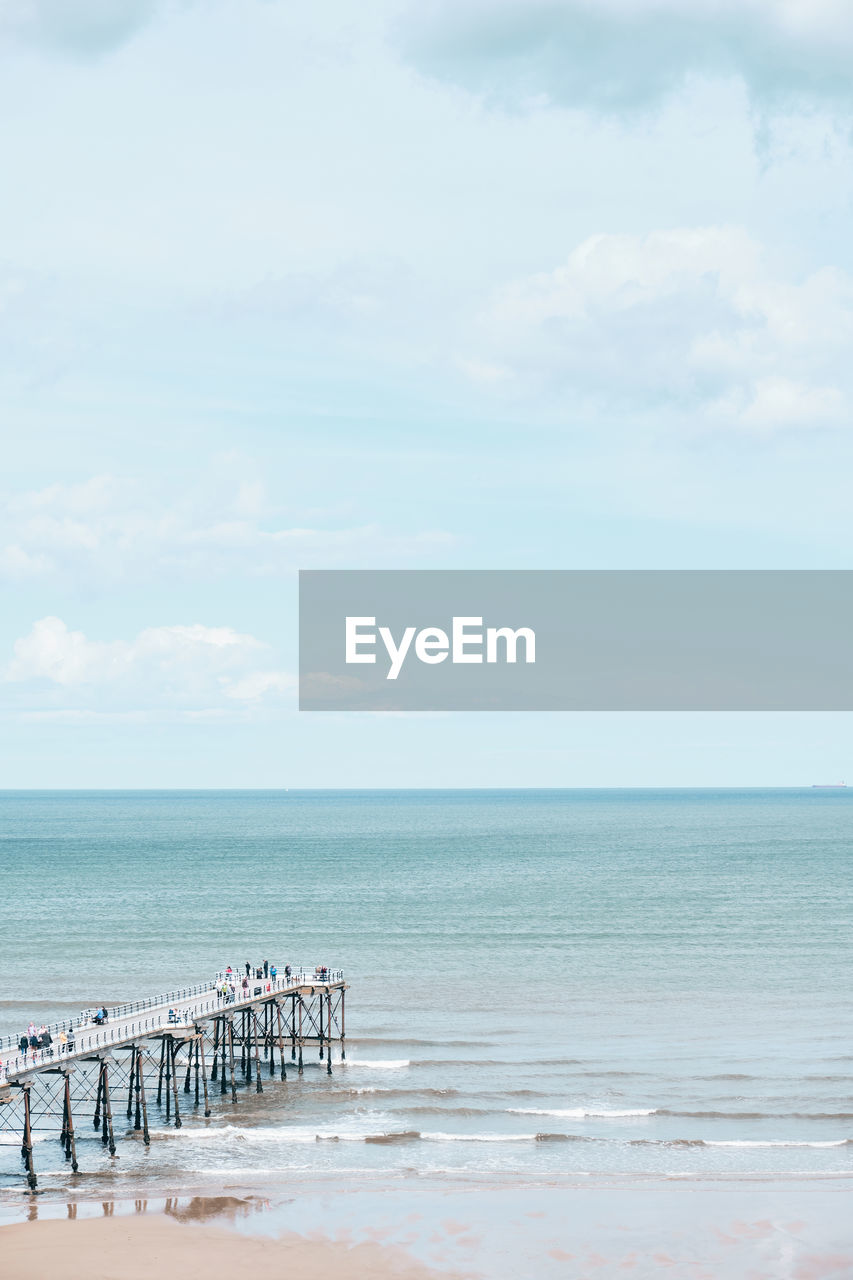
{"type": "Point", "coordinates": [201, 1041]}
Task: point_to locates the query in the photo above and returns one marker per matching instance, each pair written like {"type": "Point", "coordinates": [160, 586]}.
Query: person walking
{"type": "Point", "coordinates": [24, 1046]}
{"type": "Point", "coordinates": [248, 968]}
{"type": "Point", "coordinates": [266, 968]}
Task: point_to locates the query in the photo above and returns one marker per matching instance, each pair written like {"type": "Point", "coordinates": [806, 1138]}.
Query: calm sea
{"type": "Point", "coordinates": [620, 985]}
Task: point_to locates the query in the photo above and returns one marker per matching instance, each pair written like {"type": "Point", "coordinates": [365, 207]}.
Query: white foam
{"type": "Point", "coordinates": [479, 1137]}
{"type": "Point", "coordinates": [391, 1064]}
{"type": "Point", "coordinates": [769, 1142]}
{"type": "Point", "coordinates": [579, 1113]}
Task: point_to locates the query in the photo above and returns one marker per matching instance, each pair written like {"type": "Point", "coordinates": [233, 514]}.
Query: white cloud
{"type": "Point", "coordinates": [260, 684]}
{"type": "Point", "coordinates": [111, 528]}
{"type": "Point", "coordinates": [190, 668]}
{"type": "Point", "coordinates": [687, 324]}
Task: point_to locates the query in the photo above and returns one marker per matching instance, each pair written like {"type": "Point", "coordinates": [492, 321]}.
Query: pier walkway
{"type": "Point", "coordinates": [211, 1033]}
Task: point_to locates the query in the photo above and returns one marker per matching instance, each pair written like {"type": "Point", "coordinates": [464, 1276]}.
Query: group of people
{"type": "Point", "coordinates": [38, 1041]}
{"type": "Point", "coordinates": [233, 985]}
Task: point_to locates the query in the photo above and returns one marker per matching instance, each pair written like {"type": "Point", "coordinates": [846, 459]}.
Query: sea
{"type": "Point", "coordinates": [545, 987]}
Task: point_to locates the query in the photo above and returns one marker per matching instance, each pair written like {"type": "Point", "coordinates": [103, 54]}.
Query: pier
{"type": "Point", "coordinates": [208, 1041]}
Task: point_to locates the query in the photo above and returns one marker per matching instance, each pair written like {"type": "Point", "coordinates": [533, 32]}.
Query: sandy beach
{"type": "Point", "coordinates": [127, 1248]}
{"type": "Point", "coordinates": [400, 1233]}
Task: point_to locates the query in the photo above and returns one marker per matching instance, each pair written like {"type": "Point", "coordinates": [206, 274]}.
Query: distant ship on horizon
{"type": "Point", "coordinates": [829, 784]}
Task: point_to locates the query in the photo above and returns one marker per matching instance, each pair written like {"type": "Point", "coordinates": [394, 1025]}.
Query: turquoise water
{"type": "Point", "coordinates": [544, 985]}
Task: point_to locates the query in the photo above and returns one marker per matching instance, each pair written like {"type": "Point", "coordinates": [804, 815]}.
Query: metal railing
{"type": "Point", "coordinates": [86, 1035]}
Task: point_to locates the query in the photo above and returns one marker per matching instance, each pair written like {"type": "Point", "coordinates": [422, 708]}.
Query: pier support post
{"type": "Point", "coordinates": [167, 1052]}
{"type": "Point", "coordinates": [96, 1119]}
{"type": "Point", "coordinates": [299, 1069]}
{"type": "Point", "coordinates": [343, 1029]}
{"type": "Point", "coordinates": [130, 1080]}
{"type": "Point", "coordinates": [247, 1045]}
{"type": "Point", "coordinates": [213, 1066]}
{"type": "Point", "coordinates": [231, 1060]}
{"type": "Point", "coordinates": [174, 1049]}
{"type": "Point", "coordinates": [259, 1088]}
{"type": "Point", "coordinates": [223, 1038]}
{"type": "Point", "coordinates": [200, 1036]}
{"type": "Point", "coordinates": [68, 1126]}
{"type": "Point", "coordinates": [203, 1073]}
{"type": "Point", "coordinates": [107, 1135]}
{"type": "Point", "coordinates": [188, 1077]}
{"type": "Point", "coordinates": [135, 1080]}
{"type": "Point", "coordinates": [160, 1076]}
{"type": "Point", "coordinates": [281, 1041]}
{"type": "Point", "coordinates": [27, 1145]}
{"type": "Point", "coordinates": [146, 1138]}
{"type": "Point", "coordinates": [329, 1030]}
{"type": "Point", "coordinates": [293, 1028]}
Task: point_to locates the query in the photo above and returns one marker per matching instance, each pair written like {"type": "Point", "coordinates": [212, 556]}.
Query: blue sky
{"type": "Point", "coordinates": [487, 284]}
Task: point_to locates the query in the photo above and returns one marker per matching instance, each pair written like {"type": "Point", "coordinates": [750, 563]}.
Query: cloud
{"type": "Point", "coordinates": [617, 55]}
{"type": "Point", "coordinates": [187, 667]}
{"type": "Point", "coordinates": [112, 528]}
{"type": "Point", "coordinates": [82, 28]}
{"type": "Point", "coordinates": [685, 324]}
{"type": "Point", "coordinates": [261, 684]}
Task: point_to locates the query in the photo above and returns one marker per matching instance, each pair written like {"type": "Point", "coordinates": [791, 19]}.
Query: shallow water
{"type": "Point", "coordinates": [561, 985]}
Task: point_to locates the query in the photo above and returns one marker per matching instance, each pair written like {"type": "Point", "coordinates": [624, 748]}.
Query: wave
{"type": "Point", "coordinates": [388, 1092]}
{"type": "Point", "coordinates": [420, 1044]}
{"type": "Point", "coordinates": [580, 1113]}
{"type": "Point", "coordinates": [390, 1064]}
{"type": "Point", "coordinates": [479, 1137]}
{"type": "Point", "coordinates": [775, 1142]}
{"type": "Point", "coordinates": [306, 1134]}
{"type": "Point", "coordinates": [757, 1115]}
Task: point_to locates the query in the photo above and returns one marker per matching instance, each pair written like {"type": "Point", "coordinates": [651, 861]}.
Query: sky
{"type": "Point", "coordinates": [449, 284]}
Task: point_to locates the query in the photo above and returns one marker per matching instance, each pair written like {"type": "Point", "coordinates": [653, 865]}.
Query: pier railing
{"type": "Point", "coordinates": [140, 1017]}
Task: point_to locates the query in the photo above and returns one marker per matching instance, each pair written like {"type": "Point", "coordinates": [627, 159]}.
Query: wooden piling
{"type": "Point", "coordinates": [259, 1088]}
{"type": "Point", "coordinates": [174, 1047]}
{"type": "Point", "coordinates": [70, 1143]}
{"type": "Point", "coordinates": [329, 1033]}
{"type": "Point", "coordinates": [231, 1060]}
{"type": "Point", "coordinates": [27, 1146]}
{"type": "Point", "coordinates": [130, 1081]}
{"type": "Point", "coordinates": [141, 1077]}
{"type": "Point", "coordinates": [224, 1038]}
{"type": "Point", "coordinates": [280, 1041]}
{"type": "Point", "coordinates": [96, 1119]}
{"type": "Point", "coordinates": [108, 1136]}
{"type": "Point", "coordinates": [343, 1043]}
{"type": "Point", "coordinates": [213, 1066]}
{"type": "Point", "coordinates": [160, 1076]}
{"type": "Point", "coordinates": [203, 1074]}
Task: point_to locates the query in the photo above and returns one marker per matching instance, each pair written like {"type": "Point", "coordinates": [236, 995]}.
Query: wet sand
{"type": "Point", "coordinates": [127, 1248]}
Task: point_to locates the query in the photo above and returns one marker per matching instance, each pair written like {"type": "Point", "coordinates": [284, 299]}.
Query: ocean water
{"type": "Point", "coordinates": [545, 986]}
